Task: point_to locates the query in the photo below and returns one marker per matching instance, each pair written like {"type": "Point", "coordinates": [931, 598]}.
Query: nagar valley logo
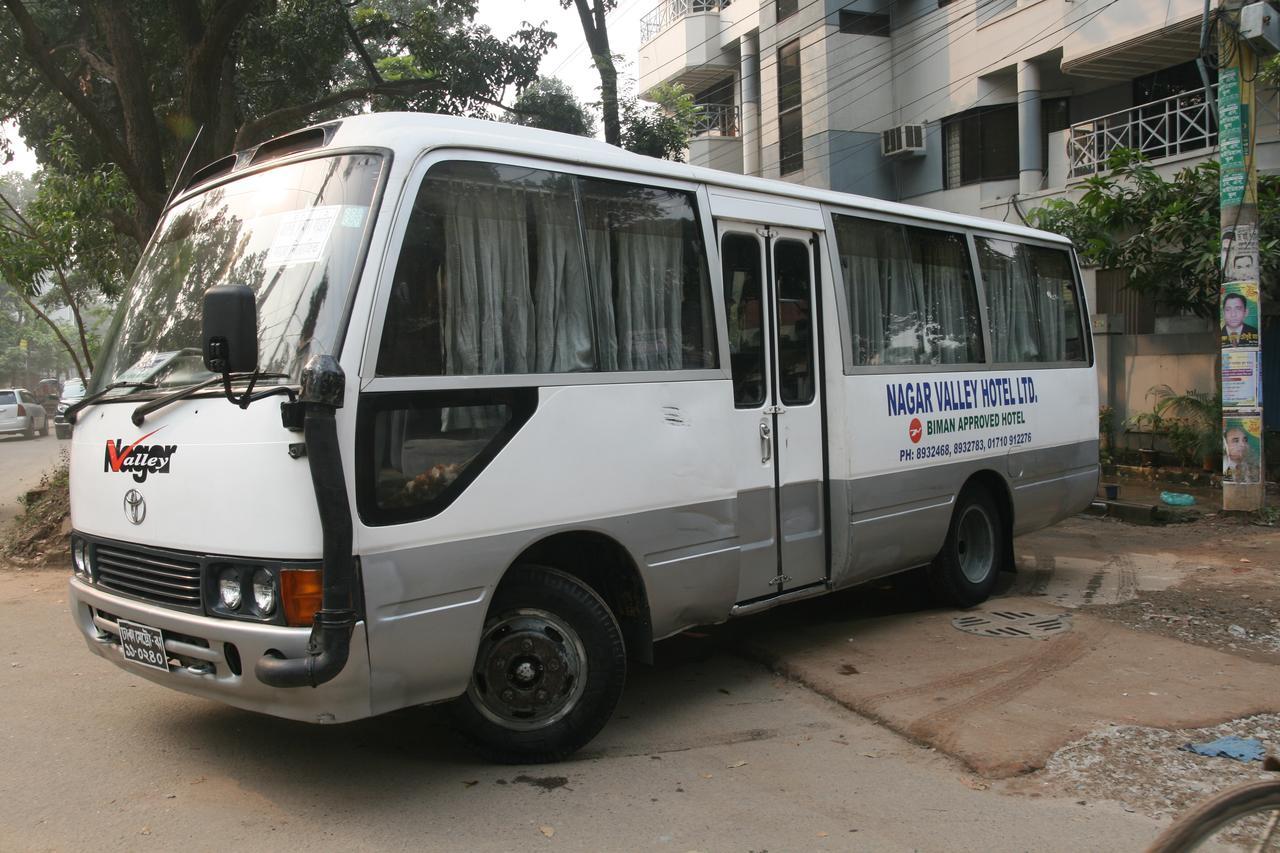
{"type": "Point", "coordinates": [138, 459]}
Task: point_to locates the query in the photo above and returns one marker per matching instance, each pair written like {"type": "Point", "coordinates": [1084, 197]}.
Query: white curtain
{"type": "Point", "coordinates": [649, 290]}
{"type": "Point", "coordinates": [487, 317]}
{"type": "Point", "coordinates": [1011, 302]}
{"type": "Point", "coordinates": [883, 297]}
{"type": "Point", "coordinates": [564, 337]}
{"type": "Point", "coordinates": [951, 323]}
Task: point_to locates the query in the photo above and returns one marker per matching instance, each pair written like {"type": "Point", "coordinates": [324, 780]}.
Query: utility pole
{"type": "Point", "coordinates": [1240, 300]}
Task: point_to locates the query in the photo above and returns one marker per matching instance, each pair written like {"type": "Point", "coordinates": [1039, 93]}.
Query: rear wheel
{"type": "Point", "coordinates": [30, 432]}
{"type": "Point", "coordinates": [964, 572]}
{"type": "Point", "coordinates": [548, 672]}
{"type": "Point", "coordinates": [44, 430]}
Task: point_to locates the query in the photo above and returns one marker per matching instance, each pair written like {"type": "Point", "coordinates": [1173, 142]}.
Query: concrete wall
{"type": "Point", "coordinates": [856, 165]}
{"type": "Point", "coordinates": [1133, 364]}
{"type": "Point", "coordinates": [717, 152]}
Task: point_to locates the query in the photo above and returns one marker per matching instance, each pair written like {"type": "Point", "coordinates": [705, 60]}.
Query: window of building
{"type": "Point", "coordinates": [910, 294]}
{"type": "Point", "coordinates": [512, 270]}
{"type": "Point", "coordinates": [1032, 303]}
{"type": "Point", "coordinates": [786, 8]}
{"type": "Point", "coordinates": [790, 123]}
{"type": "Point", "coordinates": [864, 23]}
{"type": "Point", "coordinates": [980, 145]}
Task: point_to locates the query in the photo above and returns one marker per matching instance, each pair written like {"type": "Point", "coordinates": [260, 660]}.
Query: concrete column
{"type": "Point", "coordinates": [749, 76]}
{"type": "Point", "coordinates": [1030, 168]}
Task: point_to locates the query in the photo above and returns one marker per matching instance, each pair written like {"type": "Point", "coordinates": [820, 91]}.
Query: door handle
{"type": "Point", "coordinates": [766, 442]}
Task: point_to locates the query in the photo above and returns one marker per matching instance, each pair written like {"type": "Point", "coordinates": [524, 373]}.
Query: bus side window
{"type": "Point", "coordinates": [744, 309]}
{"type": "Point", "coordinates": [1032, 302]}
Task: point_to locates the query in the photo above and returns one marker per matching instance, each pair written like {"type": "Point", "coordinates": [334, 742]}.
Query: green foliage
{"type": "Point", "coordinates": [1164, 233]}
{"type": "Point", "coordinates": [132, 83]}
{"type": "Point", "coordinates": [59, 249]}
{"type": "Point", "coordinates": [662, 130]}
{"type": "Point", "coordinates": [1193, 421]}
{"type": "Point", "coordinates": [549, 104]}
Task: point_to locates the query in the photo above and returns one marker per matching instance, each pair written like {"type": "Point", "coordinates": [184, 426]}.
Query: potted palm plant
{"type": "Point", "coordinates": [1200, 416]}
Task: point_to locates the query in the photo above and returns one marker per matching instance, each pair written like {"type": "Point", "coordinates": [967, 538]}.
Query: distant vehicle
{"type": "Point", "coordinates": [48, 392]}
{"type": "Point", "coordinates": [72, 392]}
{"type": "Point", "coordinates": [19, 412]}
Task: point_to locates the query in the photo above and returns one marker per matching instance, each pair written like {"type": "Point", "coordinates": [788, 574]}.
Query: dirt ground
{"type": "Point", "coordinates": [1229, 598]}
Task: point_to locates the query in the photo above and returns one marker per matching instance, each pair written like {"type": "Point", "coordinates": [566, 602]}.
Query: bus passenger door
{"type": "Point", "coordinates": [797, 412]}
{"type": "Point", "coordinates": [768, 292]}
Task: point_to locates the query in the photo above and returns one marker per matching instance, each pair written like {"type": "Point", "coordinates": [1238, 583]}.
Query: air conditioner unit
{"type": "Point", "coordinates": [1260, 25]}
{"type": "Point", "coordinates": [905, 140]}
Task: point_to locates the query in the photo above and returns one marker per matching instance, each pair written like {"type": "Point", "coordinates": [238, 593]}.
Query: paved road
{"type": "Point", "coordinates": [707, 752]}
{"type": "Point", "coordinates": [21, 464]}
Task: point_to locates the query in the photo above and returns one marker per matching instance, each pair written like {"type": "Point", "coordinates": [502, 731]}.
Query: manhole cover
{"type": "Point", "coordinates": [1014, 623]}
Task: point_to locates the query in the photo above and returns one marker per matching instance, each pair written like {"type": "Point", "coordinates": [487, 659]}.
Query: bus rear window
{"type": "Point", "coordinates": [512, 270]}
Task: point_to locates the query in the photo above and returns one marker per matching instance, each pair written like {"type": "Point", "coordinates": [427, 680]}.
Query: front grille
{"type": "Point", "coordinates": [169, 579]}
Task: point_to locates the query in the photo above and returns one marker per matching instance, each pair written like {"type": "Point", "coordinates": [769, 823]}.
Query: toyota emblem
{"type": "Point", "coordinates": [135, 506]}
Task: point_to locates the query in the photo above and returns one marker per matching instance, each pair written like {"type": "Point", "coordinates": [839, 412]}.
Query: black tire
{"type": "Point", "coordinates": [44, 430]}
{"type": "Point", "coordinates": [30, 432]}
{"type": "Point", "coordinates": [549, 670]}
{"type": "Point", "coordinates": [966, 569]}
{"type": "Point", "coordinates": [1214, 815]}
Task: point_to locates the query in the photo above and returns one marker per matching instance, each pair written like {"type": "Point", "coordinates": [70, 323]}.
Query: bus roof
{"type": "Point", "coordinates": [410, 133]}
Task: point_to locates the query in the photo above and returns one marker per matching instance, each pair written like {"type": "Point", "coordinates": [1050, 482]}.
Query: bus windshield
{"type": "Point", "coordinates": [293, 233]}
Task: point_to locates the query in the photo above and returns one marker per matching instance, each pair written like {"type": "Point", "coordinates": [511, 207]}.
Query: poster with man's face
{"type": "Point", "coordinates": [1239, 309]}
{"type": "Point", "coordinates": [1242, 449]}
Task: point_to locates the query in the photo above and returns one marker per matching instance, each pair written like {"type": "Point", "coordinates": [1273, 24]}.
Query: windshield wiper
{"type": "Point", "coordinates": [74, 408]}
{"type": "Point", "coordinates": [140, 413]}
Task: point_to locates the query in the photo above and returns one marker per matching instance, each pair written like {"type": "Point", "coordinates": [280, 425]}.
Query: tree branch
{"type": "Point", "coordinates": [358, 44]}
{"type": "Point", "coordinates": [35, 45]}
{"type": "Point", "coordinates": [66, 344]}
{"type": "Point", "coordinates": [54, 262]}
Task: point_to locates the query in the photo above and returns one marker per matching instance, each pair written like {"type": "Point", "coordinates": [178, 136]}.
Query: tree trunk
{"type": "Point", "coordinates": [597, 36]}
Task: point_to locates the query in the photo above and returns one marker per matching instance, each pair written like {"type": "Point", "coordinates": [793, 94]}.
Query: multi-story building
{"type": "Point", "coordinates": [986, 107]}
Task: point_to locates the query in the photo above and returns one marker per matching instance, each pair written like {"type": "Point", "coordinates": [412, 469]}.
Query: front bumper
{"type": "Point", "coordinates": [217, 657]}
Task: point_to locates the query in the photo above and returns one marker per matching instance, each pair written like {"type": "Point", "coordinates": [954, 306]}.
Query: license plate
{"type": "Point", "coordinates": [143, 644]}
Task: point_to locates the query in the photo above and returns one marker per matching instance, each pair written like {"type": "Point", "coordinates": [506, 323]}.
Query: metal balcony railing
{"type": "Point", "coordinates": [1176, 125]}
{"type": "Point", "coordinates": [716, 120]}
{"type": "Point", "coordinates": [669, 11]}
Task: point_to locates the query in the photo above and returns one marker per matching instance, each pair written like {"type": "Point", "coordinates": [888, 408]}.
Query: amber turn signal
{"type": "Point", "coordinates": [301, 594]}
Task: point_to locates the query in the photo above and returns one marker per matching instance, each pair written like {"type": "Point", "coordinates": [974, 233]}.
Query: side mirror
{"type": "Point", "coordinates": [230, 329]}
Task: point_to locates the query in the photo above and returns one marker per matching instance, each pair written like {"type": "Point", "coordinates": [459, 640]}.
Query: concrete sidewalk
{"type": "Point", "coordinates": [1003, 706]}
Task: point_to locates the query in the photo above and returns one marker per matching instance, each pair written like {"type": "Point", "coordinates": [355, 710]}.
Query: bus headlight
{"type": "Point", "coordinates": [80, 559]}
{"type": "Point", "coordinates": [229, 589]}
{"type": "Point", "coordinates": [264, 592]}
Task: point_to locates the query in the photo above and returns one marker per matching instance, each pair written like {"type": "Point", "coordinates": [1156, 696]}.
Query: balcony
{"type": "Point", "coordinates": [680, 43]}
{"type": "Point", "coordinates": [716, 120]}
{"type": "Point", "coordinates": [670, 11]}
{"type": "Point", "coordinates": [1170, 127]}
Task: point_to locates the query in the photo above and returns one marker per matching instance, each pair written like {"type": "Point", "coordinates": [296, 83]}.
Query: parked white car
{"type": "Point", "coordinates": [19, 412]}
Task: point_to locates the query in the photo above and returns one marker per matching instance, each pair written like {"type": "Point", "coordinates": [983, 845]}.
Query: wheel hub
{"type": "Point", "coordinates": [530, 670]}
{"type": "Point", "coordinates": [975, 544]}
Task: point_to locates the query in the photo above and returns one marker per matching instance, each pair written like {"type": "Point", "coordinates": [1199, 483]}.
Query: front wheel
{"type": "Point", "coordinates": [549, 669]}
{"type": "Point", "coordinates": [964, 572]}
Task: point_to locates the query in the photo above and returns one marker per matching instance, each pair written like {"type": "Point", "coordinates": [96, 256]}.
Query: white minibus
{"type": "Point", "coordinates": [407, 409]}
